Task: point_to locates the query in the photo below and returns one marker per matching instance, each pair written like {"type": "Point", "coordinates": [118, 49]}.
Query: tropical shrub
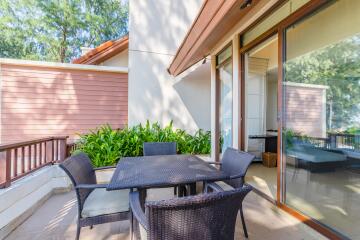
{"type": "Point", "coordinates": [353, 130]}
{"type": "Point", "coordinates": [290, 136]}
{"type": "Point", "coordinates": [105, 146]}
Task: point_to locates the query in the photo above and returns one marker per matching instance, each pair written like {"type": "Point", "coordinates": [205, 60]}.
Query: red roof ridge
{"type": "Point", "coordinates": [104, 51]}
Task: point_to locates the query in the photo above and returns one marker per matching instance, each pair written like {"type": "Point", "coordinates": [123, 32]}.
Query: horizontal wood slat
{"type": "Point", "coordinates": [107, 102]}
{"type": "Point", "coordinates": [58, 71]}
{"type": "Point", "coordinates": [40, 101]}
{"type": "Point", "coordinates": [15, 84]}
{"type": "Point", "coordinates": [63, 97]}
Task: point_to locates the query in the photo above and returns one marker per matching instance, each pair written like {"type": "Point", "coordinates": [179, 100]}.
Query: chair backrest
{"type": "Point", "coordinates": [236, 163]}
{"type": "Point", "coordinates": [207, 216]}
{"type": "Point", "coordinates": [159, 148]}
{"type": "Point", "coordinates": [79, 169]}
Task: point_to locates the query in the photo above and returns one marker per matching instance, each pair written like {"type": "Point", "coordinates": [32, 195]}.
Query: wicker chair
{"type": "Point", "coordinates": [235, 163]}
{"type": "Point", "coordinates": [210, 216]}
{"type": "Point", "coordinates": [159, 148]}
{"type": "Point", "coordinates": [95, 204]}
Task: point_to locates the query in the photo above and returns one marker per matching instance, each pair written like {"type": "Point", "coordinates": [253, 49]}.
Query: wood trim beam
{"type": "Point", "coordinates": [212, 28]}
{"type": "Point", "coordinates": [214, 112]}
{"type": "Point", "coordinates": [201, 23]}
{"type": "Point", "coordinates": [236, 92]}
{"type": "Point", "coordinates": [280, 166]}
{"type": "Point", "coordinates": [327, 232]}
{"type": "Point", "coordinates": [307, 9]}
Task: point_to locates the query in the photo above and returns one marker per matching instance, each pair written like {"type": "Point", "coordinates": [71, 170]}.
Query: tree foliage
{"type": "Point", "coordinates": [54, 30]}
{"type": "Point", "coordinates": [338, 67]}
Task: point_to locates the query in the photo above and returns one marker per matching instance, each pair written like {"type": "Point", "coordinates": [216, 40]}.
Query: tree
{"type": "Point", "coordinates": [338, 67]}
{"type": "Point", "coordinates": [54, 30]}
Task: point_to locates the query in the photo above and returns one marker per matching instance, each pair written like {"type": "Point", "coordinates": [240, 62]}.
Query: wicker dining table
{"type": "Point", "coordinates": [146, 172]}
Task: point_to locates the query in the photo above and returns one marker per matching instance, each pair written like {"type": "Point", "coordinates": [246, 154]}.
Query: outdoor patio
{"type": "Point", "coordinates": [230, 119]}
{"type": "Point", "coordinates": [56, 219]}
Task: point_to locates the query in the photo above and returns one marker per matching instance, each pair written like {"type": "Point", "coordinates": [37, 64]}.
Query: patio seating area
{"type": "Point", "coordinates": [56, 219]}
{"type": "Point", "coordinates": [185, 197]}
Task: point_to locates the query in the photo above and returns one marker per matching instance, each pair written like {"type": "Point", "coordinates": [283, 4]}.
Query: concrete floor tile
{"type": "Point", "coordinates": [56, 220]}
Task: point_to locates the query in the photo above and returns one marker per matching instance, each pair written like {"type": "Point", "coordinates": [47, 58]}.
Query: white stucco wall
{"type": "Point", "coordinates": [157, 28]}
{"type": "Point", "coordinates": [119, 60]}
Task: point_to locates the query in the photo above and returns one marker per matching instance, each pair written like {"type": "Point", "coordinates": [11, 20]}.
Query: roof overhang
{"type": "Point", "coordinates": [214, 20]}
{"type": "Point", "coordinates": [104, 52]}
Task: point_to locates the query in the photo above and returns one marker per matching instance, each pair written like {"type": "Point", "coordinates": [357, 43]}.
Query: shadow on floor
{"type": "Point", "coordinates": [56, 220]}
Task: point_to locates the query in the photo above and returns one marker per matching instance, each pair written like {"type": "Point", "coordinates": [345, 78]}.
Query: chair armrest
{"type": "Point", "coordinates": [134, 199]}
{"type": "Point", "coordinates": [104, 168]}
{"type": "Point", "coordinates": [215, 163]}
{"type": "Point", "coordinates": [215, 187]}
{"type": "Point", "coordinates": [91, 186]}
{"type": "Point", "coordinates": [236, 176]}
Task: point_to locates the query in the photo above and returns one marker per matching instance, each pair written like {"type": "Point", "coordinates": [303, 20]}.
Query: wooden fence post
{"type": "Point", "coordinates": [49, 156]}
{"type": "Point", "coordinates": [63, 149]}
{"type": "Point", "coordinates": [5, 170]}
{"type": "Point", "coordinates": [333, 141]}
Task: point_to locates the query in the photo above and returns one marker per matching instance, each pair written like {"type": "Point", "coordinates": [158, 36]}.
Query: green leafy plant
{"type": "Point", "coordinates": [290, 136]}
{"type": "Point", "coordinates": [105, 146]}
{"type": "Point", "coordinates": [353, 130]}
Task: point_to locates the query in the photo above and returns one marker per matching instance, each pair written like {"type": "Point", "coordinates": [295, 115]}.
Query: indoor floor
{"type": "Point", "coordinates": [263, 179]}
{"type": "Point", "coordinates": [330, 197]}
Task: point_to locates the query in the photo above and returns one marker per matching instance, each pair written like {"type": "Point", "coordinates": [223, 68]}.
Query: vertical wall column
{"type": "Point", "coordinates": [236, 92]}
{"type": "Point", "coordinates": [214, 112]}
{"type": "Point", "coordinates": [1, 90]}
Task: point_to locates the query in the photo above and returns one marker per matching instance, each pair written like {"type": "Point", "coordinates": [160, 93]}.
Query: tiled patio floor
{"type": "Point", "coordinates": [56, 220]}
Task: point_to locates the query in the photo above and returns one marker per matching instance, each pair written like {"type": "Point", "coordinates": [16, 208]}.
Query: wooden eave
{"type": "Point", "coordinates": [214, 20]}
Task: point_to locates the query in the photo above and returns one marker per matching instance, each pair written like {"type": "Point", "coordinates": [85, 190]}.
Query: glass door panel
{"type": "Point", "coordinates": [260, 96]}
{"type": "Point", "coordinates": [321, 106]}
{"type": "Point", "coordinates": [224, 73]}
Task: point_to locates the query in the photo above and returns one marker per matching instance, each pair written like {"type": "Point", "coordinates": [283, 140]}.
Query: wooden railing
{"type": "Point", "coordinates": [344, 140]}
{"type": "Point", "coordinates": [20, 159]}
{"type": "Point", "coordinates": [334, 141]}
{"type": "Point", "coordinates": [70, 147]}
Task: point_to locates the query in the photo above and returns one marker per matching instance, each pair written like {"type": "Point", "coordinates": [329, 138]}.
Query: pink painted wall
{"type": "Point", "coordinates": [42, 101]}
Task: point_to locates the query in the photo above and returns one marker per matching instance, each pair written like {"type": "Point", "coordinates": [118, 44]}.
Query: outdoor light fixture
{"type": "Point", "coordinates": [204, 61]}
{"type": "Point", "coordinates": [247, 3]}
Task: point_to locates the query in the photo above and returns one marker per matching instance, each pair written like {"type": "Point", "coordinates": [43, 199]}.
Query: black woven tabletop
{"type": "Point", "coordinates": [162, 171]}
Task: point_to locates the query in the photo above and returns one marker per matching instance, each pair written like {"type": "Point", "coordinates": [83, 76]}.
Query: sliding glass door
{"type": "Point", "coordinates": [260, 106]}
{"type": "Point", "coordinates": [224, 76]}
{"type": "Point", "coordinates": [321, 116]}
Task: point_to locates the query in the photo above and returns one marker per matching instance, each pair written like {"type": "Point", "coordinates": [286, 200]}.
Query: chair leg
{"type": "Point", "coordinates": [243, 221]}
{"type": "Point", "coordinates": [191, 189]}
{"type": "Point", "coordinates": [181, 191]}
{"type": "Point", "coordinates": [131, 225]}
{"type": "Point", "coordinates": [185, 191]}
{"type": "Point", "coordinates": [78, 231]}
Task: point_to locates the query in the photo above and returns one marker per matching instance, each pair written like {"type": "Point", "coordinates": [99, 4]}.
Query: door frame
{"type": "Point", "coordinates": [243, 52]}
{"type": "Point", "coordinates": [279, 29]}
